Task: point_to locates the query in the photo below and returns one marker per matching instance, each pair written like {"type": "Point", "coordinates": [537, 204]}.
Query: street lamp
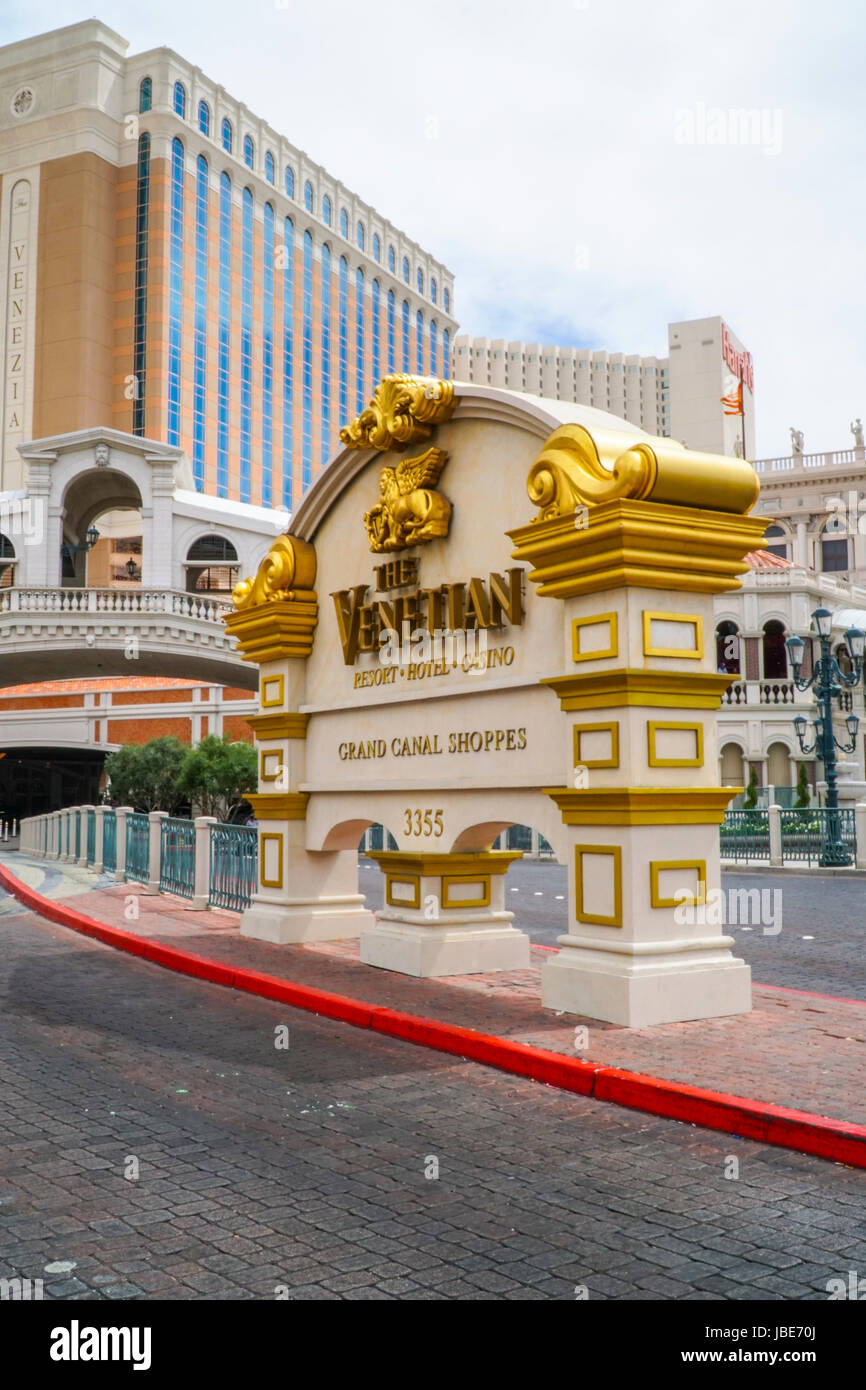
{"type": "Point", "coordinates": [828, 680]}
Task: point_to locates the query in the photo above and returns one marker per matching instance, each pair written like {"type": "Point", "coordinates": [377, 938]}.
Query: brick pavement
{"type": "Point", "coordinates": [793, 1050]}
{"type": "Point", "coordinates": [301, 1172]}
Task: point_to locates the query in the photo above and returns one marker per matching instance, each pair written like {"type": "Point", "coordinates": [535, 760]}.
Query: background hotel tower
{"type": "Point", "coordinates": [174, 268]}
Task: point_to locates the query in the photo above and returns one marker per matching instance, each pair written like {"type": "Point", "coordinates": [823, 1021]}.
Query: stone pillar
{"type": "Point", "coordinates": [64, 836]}
{"type": "Point", "coordinates": [82, 844]}
{"type": "Point", "coordinates": [201, 891]}
{"type": "Point", "coordinates": [99, 840]}
{"type": "Point", "coordinates": [302, 895]}
{"type": "Point", "coordinates": [444, 914]}
{"type": "Point", "coordinates": [775, 817]}
{"type": "Point", "coordinates": [120, 854]}
{"type": "Point", "coordinates": [155, 819]}
{"type": "Point", "coordinates": [636, 579]}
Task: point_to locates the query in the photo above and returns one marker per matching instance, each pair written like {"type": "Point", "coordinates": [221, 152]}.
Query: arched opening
{"type": "Point", "coordinates": [778, 541]}
{"type": "Point", "coordinates": [728, 648]}
{"type": "Point", "coordinates": [774, 651]}
{"type": "Point", "coordinates": [102, 532]}
{"type": "Point", "coordinates": [211, 566]}
{"type": "Point", "coordinates": [7, 563]}
{"type": "Point", "coordinates": [779, 766]}
{"type": "Point", "coordinates": [732, 772]}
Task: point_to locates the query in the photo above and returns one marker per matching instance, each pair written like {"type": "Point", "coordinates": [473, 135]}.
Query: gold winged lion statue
{"type": "Point", "coordinates": [409, 510]}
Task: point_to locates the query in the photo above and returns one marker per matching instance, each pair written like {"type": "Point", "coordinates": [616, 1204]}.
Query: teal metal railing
{"type": "Point", "coordinates": [109, 840]}
{"type": "Point", "coordinates": [177, 857]}
{"type": "Point", "coordinates": [233, 865]}
{"type": "Point", "coordinates": [91, 836]}
{"type": "Point", "coordinates": [805, 832]}
{"type": "Point", "coordinates": [77, 838]}
{"type": "Point", "coordinates": [137, 847]}
{"type": "Point", "coordinates": [745, 835]}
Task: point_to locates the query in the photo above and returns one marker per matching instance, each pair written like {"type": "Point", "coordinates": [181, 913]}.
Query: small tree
{"type": "Point", "coordinates": [751, 799]}
{"type": "Point", "coordinates": [145, 775]}
{"type": "Point", "coordinates": [804, 791]}
{"type": "Point", "coordinates": [218, 773]}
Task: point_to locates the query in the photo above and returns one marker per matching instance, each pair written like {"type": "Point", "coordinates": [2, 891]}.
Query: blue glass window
{"type": "Point", "coordinates": [200, 322]}
{"type": "Point", "coordinates": [246, 344]}
{"type": "Point", "coordinates": [359, 236]}
{"type": "Point", "coordinates": [446, 353]}
{"type": "Point", "coordinates": [270, 167]}
{"type": "Point", "coordinates": [433, 347]}
{"type": "Point", "coordinates": [249, 151]}
{"type": "Point", "coordinates": [344, 341]}
{"type": "Point", "coordinates": [446, 299]}
{"type": "Point", "coordinates": [377, 247]}
{"type": "Point", "coordinates": [288, 350]}
{"type": "Point", "coordinates": [224, 334]}
{"type": "Point", "coordinates": [308, 196]}
{"type": "Point", "coordinates": [180, 100]}
{"type": "Point", "coordinates": [326, 351]}
{"type": "Point", "coordinates": [406, 269]}
{"type": "Point", "coordinates": [392, 259]}
{"type": "Point", "coordinates": [344, 224]}
{"type": "Point", "coordinates": [307, 313]}
{"type": "Point", "coordinates": [433, 289]}
{"type": "Point", "coordinates": [175, 292]}
{"type": "Point", "coordinates": [267, 355]}
{"type": "Point", "coordinates": [326, 210]}
{"type": "Point", "coordinates": [360, 356]}
{"type": "Point", "coordinates": [377, 372]}
{"type": "Point", "coordinates": [390, 330]}
{"type": "Point", "coordinates": [290, 181]}
{"type": "Point", "coordinates": [420, 279]}
{"type": "Point", "coordinates": [204, 118]}
{"type": "Point", "coordinates": [139, 339]}
{"type": "Point", "coordinates": [227, 135]}
{"type": "Point", "coordinates": [419, 343]}
{"type": "Point", "coordinates": [145, 94]}
{"type": "Point", "coordinates": [405, 335]}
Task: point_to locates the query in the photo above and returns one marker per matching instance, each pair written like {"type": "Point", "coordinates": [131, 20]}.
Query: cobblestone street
{"type": "Point", "coordinates": [265, 1171]}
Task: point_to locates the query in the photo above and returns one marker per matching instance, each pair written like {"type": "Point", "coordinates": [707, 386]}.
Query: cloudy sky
{"type": "Point", "coordinates": [565, 159]}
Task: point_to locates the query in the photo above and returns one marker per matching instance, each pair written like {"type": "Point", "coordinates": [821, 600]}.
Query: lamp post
{"type": "Point", "coordinates": [828, 680]}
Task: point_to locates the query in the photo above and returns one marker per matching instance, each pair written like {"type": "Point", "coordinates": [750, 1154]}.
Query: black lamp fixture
{"type": "Point", "coordinates": [132, 569]}
{"type": "Point", "coordinates": [828, 681]}
{"type": "Point", "coordinates": [90, 539]}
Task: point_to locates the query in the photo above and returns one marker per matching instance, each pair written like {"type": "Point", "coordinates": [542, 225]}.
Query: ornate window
{"type": "Point", "coordinates": [326, 210]}
{"type": "Point", "coordinates": [204, 118]}
{"type": "Point", "coordinates": [377, 247]}
{"type": "Point", "coordinates": [145, 94]}
{"type": "Point", "coordinates": [249, 151]}
{"type": "Point", "coordinates": [180, 100]}
{"type": "Point", "coordinates": [420, 280]}
{"type": "Point", "coordinates": [359, 236]}
{"type": "Point", "coordinates": [392, 259]}
{"type": "Point", "coordinates": [778, 537]}
{"type": "Point", "coordinates": [406, 275]}
{"type": "Point", "coordinates": [211, 566]}
{"type": "Point", "coordinates": [775, 654]}
{"type": "Point", "coordinates": [308, 196]}
{"type": "Point", "coordinates": [433, 289]}
{"type": "Point", "coordinates": [344, 224]}
{"type": "Point", "coordinates": [728, 648]}
{"type": "Point", "coordinates": [405, 335]}
{"type": "Point", "coordinates": [834, 546]}
{"type": "Point", "coordinates": [227, 137]}
{"type": "Point", "coordinates": [290, 181]}
{"type": "Point", "coordinates": [270, 167]}
{"type": "Point", "coordinates": [446, 301]}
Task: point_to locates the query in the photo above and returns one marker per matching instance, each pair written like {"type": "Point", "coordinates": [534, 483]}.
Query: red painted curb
{"type": "Point", "coordinates": [836, 1140]}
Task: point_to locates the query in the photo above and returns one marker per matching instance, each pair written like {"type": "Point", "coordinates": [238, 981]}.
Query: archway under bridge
{"type": "Point", "coordinates": [566, 565]}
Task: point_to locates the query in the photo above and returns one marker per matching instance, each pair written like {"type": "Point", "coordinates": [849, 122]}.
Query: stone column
{"type": "Point", "coordinates": [82, 845]}
{"type": "Point", "coordinates": [444, 914]}
{"type": "Point", "coordinates": [99, 840]}
{"type": "Point", "coordinates": [775, 818]}
{"type": "Point", "coordinates": [636, 579]}
{"type": "Point", "coordinates": [201, 891]}
{"type": "Point", "coordinates": [120, 854]}
{"type": "Point", "coordinates": [302, 895]}
{"type": "Point", "coordinates": [155, 819]}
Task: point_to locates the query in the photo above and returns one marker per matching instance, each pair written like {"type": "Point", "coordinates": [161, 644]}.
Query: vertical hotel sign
{"type": "Point", "coordinates": [18, 347]}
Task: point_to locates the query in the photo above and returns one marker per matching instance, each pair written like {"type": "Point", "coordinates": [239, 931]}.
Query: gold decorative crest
{"type": "Point", "coordinates": [287, 571]}
{"type": "Point", "coordinates": [410, 510]}
{"type": "Point", "coordinates": [403, 410]}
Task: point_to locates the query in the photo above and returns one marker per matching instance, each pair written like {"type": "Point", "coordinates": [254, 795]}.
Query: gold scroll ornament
{"type": "Point", "coordinates": [409, 511]}
{"type": "Point", "coordinates": [288, 571]}
{"type": "Point", "coordinates": [403, 411]}
{"type": "Point", "coordinates": [576, 468]}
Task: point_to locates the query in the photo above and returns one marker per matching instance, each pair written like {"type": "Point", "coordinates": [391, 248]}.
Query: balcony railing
{"type": "Point", "coordinates": [838, 458]}
{"type": "Point", "coordinates": [174, 601]}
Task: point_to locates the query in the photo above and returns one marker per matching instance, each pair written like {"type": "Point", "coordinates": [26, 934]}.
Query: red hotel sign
{"type": "Point", "coordinates": [740, 363]}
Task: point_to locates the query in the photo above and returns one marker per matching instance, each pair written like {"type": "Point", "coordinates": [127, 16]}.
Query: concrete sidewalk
{"type": "Point", "coordinates": [799, 1051]}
